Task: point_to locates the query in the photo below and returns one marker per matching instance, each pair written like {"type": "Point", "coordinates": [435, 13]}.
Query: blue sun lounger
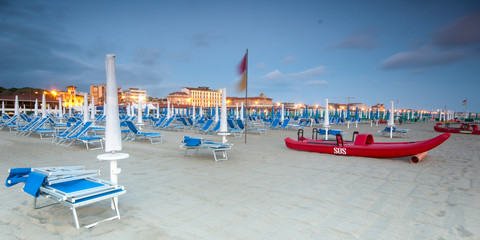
{"type": "Point", "coordinates": [200, 143]}
{"type": "Point", "coordinates": [72, 186]}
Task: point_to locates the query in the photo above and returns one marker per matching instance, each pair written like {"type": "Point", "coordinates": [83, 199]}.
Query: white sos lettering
{"type": "Point", "coordinates": [342, 151]}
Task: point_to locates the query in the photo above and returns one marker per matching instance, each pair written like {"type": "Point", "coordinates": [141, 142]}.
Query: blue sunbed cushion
{"type": "Point", "coordinates": [17, 175]}
{"type": "Point", "coordinates": [33, 183]}
{"type": "Point", "coordinates": [191, 141]}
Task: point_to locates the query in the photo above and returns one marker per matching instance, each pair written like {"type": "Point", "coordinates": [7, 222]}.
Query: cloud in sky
{"type": "Point", "coordinates": [306, 75]}
{"type": "Point", "coordinates": [362, 39]}
{"type": "Point", "coordinates": [317, 83]}
{"type": "Point", "coordinates": [288, 60]}
{"type": "Point", "coordinates": [261, 66]}
{"type": "Point", "coordinates": [454, 42]}
{"type": "Point", "coordinates": [205, 39]}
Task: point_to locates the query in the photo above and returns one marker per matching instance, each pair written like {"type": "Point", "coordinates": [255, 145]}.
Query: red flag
{"type": "Point", "coordinates": [243, 65]}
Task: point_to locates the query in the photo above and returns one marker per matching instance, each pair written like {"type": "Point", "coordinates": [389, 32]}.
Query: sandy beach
{"type": "Point", "coordinates": [263, 191]}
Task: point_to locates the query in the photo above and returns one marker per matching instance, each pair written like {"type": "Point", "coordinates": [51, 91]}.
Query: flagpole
{"type": "Point", "coordinates": [246, 94]}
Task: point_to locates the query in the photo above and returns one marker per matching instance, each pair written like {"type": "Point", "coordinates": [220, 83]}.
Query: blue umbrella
{"type": "Point", "coordinates": [348, 112]}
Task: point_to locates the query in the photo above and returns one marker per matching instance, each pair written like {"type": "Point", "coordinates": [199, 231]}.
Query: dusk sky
{"type": "Point", "coordinates": [423, 54]}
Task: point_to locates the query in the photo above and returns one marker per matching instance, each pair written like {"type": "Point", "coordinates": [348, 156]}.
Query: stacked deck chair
{"type": "Point", "coordinates": [136, 134]}
{"type": "Point", "coordinates": [72, 186]}
{"type": "Point", "coordinates": [237, 132]}
{"type": "Point", "coordinates": [200, 143]}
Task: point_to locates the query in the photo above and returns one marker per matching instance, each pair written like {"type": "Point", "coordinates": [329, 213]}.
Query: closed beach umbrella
{"type": "Point", "coordinates": [113, 138]}
{"type": "Point", "coordinates": [3, 108]}
{"type": "Point", "coordinates": [36, 108]}
{"type": "Point", "coordinates": [158, 111]}
{"type": "Point", "coordinates": [223, 120]}
{"type": "Point", "coordinates": [139, 111]}
{"type": "Point", "coordinates": [282, 114]}
{"type": "Point", "coordinates": [193, 112]}
{"type": "Point", "coordinates": [168, 109]}
{"type": "Point", "coordinates": [216, 112]}
{"type": "Point", "coordinates": [85, 108]}
{"type": "Point", "coordinates": [44, 107]}
{"type": "Point", "coordinates": [17, 107]}
{"type": "Point", "coordinates": [92, 110]}
{"type": "Point", "coordinates": [241, 112]}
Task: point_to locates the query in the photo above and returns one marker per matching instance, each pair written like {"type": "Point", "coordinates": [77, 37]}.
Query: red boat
{"type": "Point", "coordinates": [464, 128]}
{"type": "Point", "coordinates": [363, 145]}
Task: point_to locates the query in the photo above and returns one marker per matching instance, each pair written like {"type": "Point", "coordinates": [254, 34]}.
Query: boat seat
{"type": "Point", "coordinates": [363, 139]}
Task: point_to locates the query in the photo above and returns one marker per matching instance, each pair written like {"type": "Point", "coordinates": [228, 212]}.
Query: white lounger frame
{"type": "Point", "coordinates": [64, 174]}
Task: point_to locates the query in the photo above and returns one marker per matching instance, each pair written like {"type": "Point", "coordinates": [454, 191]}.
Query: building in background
{"type": "Point", "coordinates": [99, 94]}
{"type": "Point", "coordinates": [71, 97]}
{"type": "Point", "coordinates": [132, 95]}
{"type": "Point", "coordinates": [261, 101]}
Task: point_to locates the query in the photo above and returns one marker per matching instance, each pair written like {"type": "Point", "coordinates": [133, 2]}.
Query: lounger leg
{"type": "Point", "coordinates": [75, 218]}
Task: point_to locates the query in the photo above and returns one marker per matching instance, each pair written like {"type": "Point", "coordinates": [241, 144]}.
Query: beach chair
{"type": "Point", "coordinates": [166, 124]}
{"type": "Point", "coordinates": [42, 130]}
{"type": "Point", "coordinates": [396, 131]}
{"type": "Point", "coordinates": [80, 135]}
{"type": "Point", "coordinates": [214, 130]}
{"type": "Point", "coordinates": [205, 127]}
{"type": "Point", "coordinates": [72, 186]}
{"type": "Point", "coordinates": [275, 123]}
{"type": "Point", "coordinates": [262, 131]}
{"type": "Point", "coordinates": [135, 134]}
{"type": "Point", "coordinates": [60, 135]}
{"type": "Point", "coordinates": [233, 129]}
{"type": "Point", "coordinates": [200, 143]}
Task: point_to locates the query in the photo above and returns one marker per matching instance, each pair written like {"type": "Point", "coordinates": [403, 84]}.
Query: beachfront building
{"type": "Point", "coordinates": [261, 101]}
{"type": "Point", "coordinates": [179, 98]}
{"type": "Point", "coordinates": [27, 101]}
{"type": "Point", "coordinates": [70, 98]}
{"type": "Point", "coordinates": [99, 94]}
{"type": "Point", "coordinates": [203, 96]}
{"type": "Point", "coordinates": [133, 94]}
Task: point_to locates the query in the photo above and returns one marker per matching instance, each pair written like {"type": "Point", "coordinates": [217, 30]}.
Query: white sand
{"type": "Point", "coordinates": [264, 191]}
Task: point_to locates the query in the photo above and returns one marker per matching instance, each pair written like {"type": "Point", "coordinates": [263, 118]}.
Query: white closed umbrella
{"type": "Point", "coordinates": [193, 112]}
{"type": "Point", "coordinates": [223, 118]}
{"type": "Point", "coordinates": [236, 111]}
{"type": "Point", "coordinates": [168, 110]}
{"type": "Point", "coordinates": [93, 109]}
{"type": "Point", "coordinates": [391, 122]}
{"type": "Point", "coordinates": [326, 121]}
{"type": "Point", "coordinates": [241, 112]}
{"type": "Point", "coordinates": [36, 108]}
{"type": "Point", "coordinates": [85, 108]}
{"type": "Point", "coordinates": [282, 117]}
{"type": "Point", "coordinates": [113, 138]}
{"type": "Point", "coordinates": [3, 108]}
{"type": "Point", "coordinates": [60, 109]}
{"type": "Point", "coordinates": [223, 131]}
{"type": "Point", "coordinates": [17, 107]}
{"type": "Point", "coordinates": [139, 111]}
{"type": "Point", "coordinates": [216, 112]}
{"type": "Point", "coordinates": [44, 107]}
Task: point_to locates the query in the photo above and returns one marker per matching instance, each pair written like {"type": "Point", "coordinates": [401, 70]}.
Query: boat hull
{"type": "Point", "coordinates": [369, 148]}
{"type": "Point", "coordinates": [463, 129]}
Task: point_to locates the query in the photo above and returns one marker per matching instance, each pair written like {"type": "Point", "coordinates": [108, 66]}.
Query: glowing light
{"type": "Point", "coordinates": [54, 93]}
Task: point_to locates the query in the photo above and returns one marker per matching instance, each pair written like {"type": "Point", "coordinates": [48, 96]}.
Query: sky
{"type": "Point", "coordinates": [420, 54]}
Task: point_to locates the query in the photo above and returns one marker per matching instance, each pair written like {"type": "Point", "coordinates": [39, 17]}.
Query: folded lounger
{"type": "Point", "coordinates": [200, 143]}
{"type": "Point", "coordinates": [71, 186]}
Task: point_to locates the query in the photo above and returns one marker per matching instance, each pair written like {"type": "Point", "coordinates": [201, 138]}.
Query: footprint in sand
{"type": "Point", "coordinates": [462, 231]}
{"type": "Point", "coordinates": [439, 213]}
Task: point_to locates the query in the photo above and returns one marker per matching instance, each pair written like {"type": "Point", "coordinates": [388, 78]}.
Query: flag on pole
{"type": "Point", "coordinates": [464, 102]}
{"type": "Point", "coordinates": [242, 70]}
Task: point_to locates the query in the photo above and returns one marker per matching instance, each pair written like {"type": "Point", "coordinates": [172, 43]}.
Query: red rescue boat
{"type": "Point", "coordinates": [464, 128]}
{"type": "Point", "coordinates": [363, 145]}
